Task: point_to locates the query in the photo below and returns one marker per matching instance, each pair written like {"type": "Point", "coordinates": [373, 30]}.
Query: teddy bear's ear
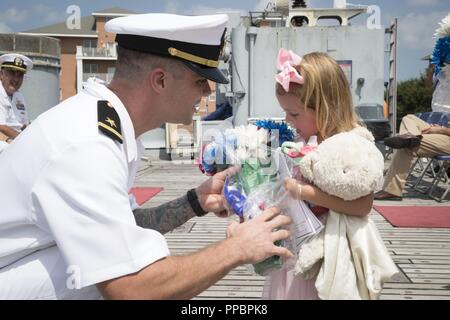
{"type": "Point", "coordinates": [306, 166]}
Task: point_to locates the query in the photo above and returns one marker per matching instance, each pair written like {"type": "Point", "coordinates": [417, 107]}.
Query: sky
{"type": "Point", "coordinates": [418, 19]}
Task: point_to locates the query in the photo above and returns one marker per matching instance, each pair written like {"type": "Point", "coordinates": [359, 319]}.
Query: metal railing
{"type": "Point", "coordinates": [30, 45]}
{"type": "Point", "coordinates": [107, 77]}
{"type": "Point", "coordinates": [109, 51]}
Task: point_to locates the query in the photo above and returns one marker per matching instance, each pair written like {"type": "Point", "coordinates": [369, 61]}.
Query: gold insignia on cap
{"type": "Point", "coordinates": [18, 62]}
{"type": "Point", "coordinates": [190, 57]}
{"type": "Point", "coordinates": [15, 64]}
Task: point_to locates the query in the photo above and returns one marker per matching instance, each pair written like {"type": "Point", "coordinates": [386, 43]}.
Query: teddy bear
{"type": "Point", "coordinates": [349, 166]}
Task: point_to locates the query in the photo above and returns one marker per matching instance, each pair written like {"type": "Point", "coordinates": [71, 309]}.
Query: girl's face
{"type": "Point", "coordinates": [303, 120]}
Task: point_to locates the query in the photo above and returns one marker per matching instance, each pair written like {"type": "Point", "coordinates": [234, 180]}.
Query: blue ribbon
{"type": "Point", "coordinates": [441, 54]}
{"type": "Point", "coordinates": [234, 197]}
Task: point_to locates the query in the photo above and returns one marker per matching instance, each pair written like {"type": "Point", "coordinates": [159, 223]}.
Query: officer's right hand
{"type": "Point", "coordinates": [255, 238]}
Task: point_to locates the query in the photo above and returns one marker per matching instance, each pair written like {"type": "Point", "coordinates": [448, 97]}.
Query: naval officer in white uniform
{"type": "Point", "coordinates": [13, 113]}
{"type": "Point", "coordinates": [67, 229]}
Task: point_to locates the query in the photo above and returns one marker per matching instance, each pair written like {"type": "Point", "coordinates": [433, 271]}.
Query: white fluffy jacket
{"type": "Point", "coordinates": [348, 257]}
{"type": "Point", "coordinates": [356, 263]}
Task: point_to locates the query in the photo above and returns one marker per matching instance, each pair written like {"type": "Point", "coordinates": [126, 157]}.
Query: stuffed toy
{"type": "Point", "coordinates": [347, 165]}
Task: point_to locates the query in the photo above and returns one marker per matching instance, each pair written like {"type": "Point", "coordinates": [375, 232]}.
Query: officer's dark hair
{"type": "Point", "coordinates": [134, 65]}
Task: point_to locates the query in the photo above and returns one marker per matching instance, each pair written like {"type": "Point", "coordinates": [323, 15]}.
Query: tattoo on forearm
{"type": "Point", "coordinates": [165, 217]}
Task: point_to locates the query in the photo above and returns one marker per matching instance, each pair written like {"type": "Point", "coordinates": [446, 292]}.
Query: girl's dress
{"type": "Point", "coordinates": [281, 284]}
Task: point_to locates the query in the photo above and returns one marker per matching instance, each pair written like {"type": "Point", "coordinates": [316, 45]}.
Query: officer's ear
{"type": "Point", "coordinates": [157, 80]}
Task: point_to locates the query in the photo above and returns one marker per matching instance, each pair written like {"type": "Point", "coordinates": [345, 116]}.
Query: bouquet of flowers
{"type": "Point", "coordinates": [259, 183]}
{"type": "Point", "coordinates": [441, 60]}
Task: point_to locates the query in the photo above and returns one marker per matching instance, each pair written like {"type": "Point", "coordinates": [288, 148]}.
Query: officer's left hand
{"type": "Point", "coordinates": [210, 192]}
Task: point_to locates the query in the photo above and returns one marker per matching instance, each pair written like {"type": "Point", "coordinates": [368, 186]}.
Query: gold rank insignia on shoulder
{"type": "Point", "coordinates": [109, 121]}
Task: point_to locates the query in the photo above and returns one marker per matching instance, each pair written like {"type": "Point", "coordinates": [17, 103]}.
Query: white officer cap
{"type": "Point", "coordinates": [195, 40]}
{"type": "Point", "coordinates": [16, 61]}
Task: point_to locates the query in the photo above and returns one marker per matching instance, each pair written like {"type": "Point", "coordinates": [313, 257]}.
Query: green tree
{"type": "Point", "coordinates": [413, 96]}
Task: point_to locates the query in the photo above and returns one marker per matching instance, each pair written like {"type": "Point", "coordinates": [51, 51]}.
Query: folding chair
{"type": "Point", "coordinates": [440, 118]}
{"type": "Point", "coordinates": [427, 164]}
{"type": "Point", "coordinates": [441, 176]}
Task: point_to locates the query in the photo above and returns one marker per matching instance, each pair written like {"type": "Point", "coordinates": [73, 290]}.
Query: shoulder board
{"type": "Point", "coordinates": [109, 121]}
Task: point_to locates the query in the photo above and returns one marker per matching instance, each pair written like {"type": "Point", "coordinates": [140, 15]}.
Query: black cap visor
{"type": "Point", "coordinates": [213, 74]}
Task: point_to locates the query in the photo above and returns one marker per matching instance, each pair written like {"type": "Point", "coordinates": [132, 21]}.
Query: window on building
{"type": "Point", "coordinates": [90, 68]}
{"type": "Point", "coordinates": [89, 47]}
{"type": "Point", "coordinates": [90, 43]}
{"type": "Point", "coordinates": [329, 21]}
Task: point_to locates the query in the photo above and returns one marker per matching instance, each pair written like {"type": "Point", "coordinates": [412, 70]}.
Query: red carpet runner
{"type": "Point", "coordinates": [416, 216]}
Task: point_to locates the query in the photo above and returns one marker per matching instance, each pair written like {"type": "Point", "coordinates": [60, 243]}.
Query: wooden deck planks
{"type": "Point", "coordinates": [423, 255]}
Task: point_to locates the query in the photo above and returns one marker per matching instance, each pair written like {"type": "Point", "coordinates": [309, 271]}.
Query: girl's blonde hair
{"type": "Point", "coordinates": [326, 90]}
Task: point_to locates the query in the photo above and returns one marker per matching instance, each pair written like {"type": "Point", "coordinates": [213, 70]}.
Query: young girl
{"type": "Point", "coordinates": [315, 94]}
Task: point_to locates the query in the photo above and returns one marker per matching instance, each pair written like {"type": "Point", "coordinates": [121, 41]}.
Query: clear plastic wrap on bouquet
{"type": "Point", "coordinates": [248, 203]}
{"type": "Point", "coordinates": [270, 194]}
{"type": "Point", "coordinates": [260, 182]}
{"type": "Point", "coordinates": [441, 95]}
{"type": "Point", "coordinates": [247, 207]}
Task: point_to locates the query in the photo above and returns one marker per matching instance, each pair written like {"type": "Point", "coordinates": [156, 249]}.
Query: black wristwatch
{"type": "Point", "coordinates": [195, 205]}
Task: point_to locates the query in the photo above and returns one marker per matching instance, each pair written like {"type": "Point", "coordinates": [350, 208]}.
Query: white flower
{"type": "Point", "coordinates": [444, 28]}
{"type": "Point", "coordinates": [250, 142]}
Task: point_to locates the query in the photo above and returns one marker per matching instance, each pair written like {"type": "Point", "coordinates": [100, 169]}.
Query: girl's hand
{"type": "Point", "coordinates": [303, 191]}
{"type": "Point", "coordinates": [295, 188]}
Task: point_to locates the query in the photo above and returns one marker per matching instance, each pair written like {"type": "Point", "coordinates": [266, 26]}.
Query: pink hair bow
{"type": "Point", "coordinates": [286, 61]}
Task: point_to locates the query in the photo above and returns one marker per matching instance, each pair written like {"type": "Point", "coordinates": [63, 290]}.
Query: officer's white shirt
{"type": "Point", "coordinates": [3, 145]}
{"type": "Point", "coordinates": [12, 109]}
{"type": "Point", "coordinates": [64, 192]}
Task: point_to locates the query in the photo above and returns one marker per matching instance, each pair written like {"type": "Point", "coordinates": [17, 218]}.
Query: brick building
{"type": "Point", "coordinates": [91, 52]}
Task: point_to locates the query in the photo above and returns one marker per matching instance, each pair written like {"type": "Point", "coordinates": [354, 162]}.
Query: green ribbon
{"type": "Point", "coordinates": [251, 175]}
